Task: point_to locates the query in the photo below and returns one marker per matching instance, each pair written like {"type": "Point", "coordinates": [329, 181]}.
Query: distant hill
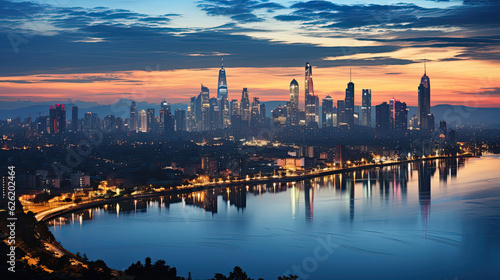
{"type": "Point", "coordinates": [452, 114]}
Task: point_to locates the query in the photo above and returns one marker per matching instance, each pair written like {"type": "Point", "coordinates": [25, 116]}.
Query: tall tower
{"type": "Point", "coordinates": [309, 88]}
{"type": "Point", "coordinates": [143, 121]}
{"type": "Point", "coordinates": [293, 113]}
{"type": "Point", "coordinates": [222, 96]}
{"type": "Point", "coordinates": [133, 126]}
{"type": "Point", "coordinates": [327, 111]}
{"type": "Point", "coordinates": [366, 107]}
{"type": "Point", "coordinates": [311, 101]}
{"type": "Point", "coordinates": [424, 100]}
{"type": "Point", "coordinates": [222, 83]}
{"type": "Point", "coordinates": [57, 117]}
{"type": "Point", "coordinates": [349, 101]}
{"type": "Point", "coordinates": [245, 106]}
{"type": "Point", "coordinates": [166, 117]}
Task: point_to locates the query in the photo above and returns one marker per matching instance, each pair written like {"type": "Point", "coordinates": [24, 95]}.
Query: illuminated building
{"type": "Point", "coordinates": [293, 108]}
{"type": "Point", "coordinates": [399, 115]}
{"type": "Point", "coordinates": [366, 107]}
{"type": "Point", "coordinates": [349, 102]}
{"type": "Point", "coordinates": [424, 102]}
{"type": "Point", "coordinates": [311, 101]}
{"type": "Point", "coordinates": [327, 111]}
{"type": "Point", "coordinates": [57, 116]}
{"type": "Point", "coordinates": [143, 121]}
{"type": "Point", "coordinates": [133, 125]}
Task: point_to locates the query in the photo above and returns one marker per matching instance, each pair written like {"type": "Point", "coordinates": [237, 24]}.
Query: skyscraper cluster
{"type": "Point", "coordinates": [206, 113]}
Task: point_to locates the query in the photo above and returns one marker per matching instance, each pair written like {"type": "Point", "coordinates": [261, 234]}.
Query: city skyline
{"type": "Point", "coordinates": [95, 56]}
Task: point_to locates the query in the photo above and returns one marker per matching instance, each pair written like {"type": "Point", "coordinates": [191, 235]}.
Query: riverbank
{"type": "Point", "coordinates": [56, 212]}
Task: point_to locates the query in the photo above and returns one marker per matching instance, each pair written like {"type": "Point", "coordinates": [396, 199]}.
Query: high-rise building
{"type": "Point", "coordinates": [215, 114]}
{"type": "Point", "coordinates": [255, 117]}
{"type": "Point", "coordinates": [222, 83]}
{"type": "Point", "coordinates": [109, 123]}
{"type": "Point", "coordinates": [191, 118]}
{"type": "Point", "coordinates": [166, 118]}
{"type": "Point", "coordinates": [74, 119]}
{"type": "Point", "coordinates": [143, 121]}
{"type": "Point", "coordinates": [424, 100]}
{"type": "Point", "coordinates": [262, 113]}
{"type": "Point", "coordinates": [327, 111]}
{"type": "Point", "coordinates": [57, 115]}
{"type": "Point", "coordinates": [245, 106]}
{"type": "Point", "coordinates": [366, 107]}
{"type": "Point", "coordinates": [151, 119]}
{"type": "Point", "coordinates": [349, 102]}
{"type": "Point", "coordinates": [235, 112]}
{"type": "Point", "coordinates": [383, 116]}
{"type": "Point", "coordinates": [442, 128]}
{"type": "Point", "coordinates": [293, 108]}
{"type": "Point", "coordinates": [133, 125]}
{"type": "Point", "coordinates": [399, 115]}
{"type": "Point", "coordinates": [341, 117]}
{"type": "Point", "coordinates": [279, 116]}
{"type": "Point", "coordinates": [311, 101]}
{"type": "Point", "coordinates": [180, 120]}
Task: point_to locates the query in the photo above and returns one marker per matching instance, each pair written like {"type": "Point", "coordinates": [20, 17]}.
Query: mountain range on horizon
{"type": "Point", "coordinates": [452, 114]}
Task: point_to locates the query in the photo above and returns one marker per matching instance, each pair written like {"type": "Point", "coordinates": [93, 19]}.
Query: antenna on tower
{"type": "Point", "coordinates": [350, 74]}
{"type": "Point", "coordinates": [222, 63]}
{"type": "Point", "coordinates": [425, 66]}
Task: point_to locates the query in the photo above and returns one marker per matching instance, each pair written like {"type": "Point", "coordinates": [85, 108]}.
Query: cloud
{"type": "Point", "coordinates": [238, 10]}
{"type": "Point", "coordinates": [90, 40]}
{"type": "Point", "coordinates": [483, 91]}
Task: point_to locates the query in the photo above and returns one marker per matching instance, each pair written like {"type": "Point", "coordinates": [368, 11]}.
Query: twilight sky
{"type": "Point", "coordinates": [150, 50]}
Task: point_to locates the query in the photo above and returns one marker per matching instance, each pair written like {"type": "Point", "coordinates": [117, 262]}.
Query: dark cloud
{"type": "Point", "coordinates": [238, 10]}
{"type": "Point", "coordinates": [78, 80]}
{"type": "Point", "coordinates": [395, 16]}
{"type": "Point", "coordinates": [484, 91]}
{"type": "Point", "coordinates": [17, 81]}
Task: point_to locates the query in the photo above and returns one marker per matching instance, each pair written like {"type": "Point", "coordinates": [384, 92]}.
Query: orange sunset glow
{"type": "Point", "coordinates": [450, 84]}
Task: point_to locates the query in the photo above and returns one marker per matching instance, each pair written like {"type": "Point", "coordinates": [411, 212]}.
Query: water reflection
{"type": "Point", "coordinates": [391, 182]}
{"type": "Point", "coordinates": [381, 219]}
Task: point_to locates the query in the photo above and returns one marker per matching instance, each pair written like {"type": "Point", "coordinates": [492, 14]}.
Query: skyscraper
{"type": "Point", "coordinates": [255, 118]}
{"type": "Point", "coordinates": [222, 84]}
{"type": "Point", "coordinates": [245, 106]}
{"type": "Point", "coordinates": [341, 118]}
{"type": "Point", "coordinates": [180, 120]}
{"type": "Point", "coordinates": [133, 126]}
{"type": "Point", "coordinates": [235, 112]}
{"type": "Point", "coordinates": [293, 109]}
{"type": "Point", "coordinates": [424, 100]}
{"type": "Point", "coordinates": [366, 107]}
{"type": "Point", "coordinates": [74, 118]}
{"type": "Point", "coordinates": [327, 111]}
{"type": "Point", "coordinates": [143, 121]}
{"type": "Point", "coordinates": [166, 118]}
{"type": "Point", "coordinates": [215, 114]}
{"type": "Point", "coordinates": [383, 116]}
{"type": "Point", "coordinates": [399, 115]}
{"type": "Point", "coordinates": [57, 116]}
{"type": "Point", "coordinates": [311, 101]}
{"type": "Point", "coordinates": [349, 102]}
{"type": "Point", "coordinates": [151, 119]}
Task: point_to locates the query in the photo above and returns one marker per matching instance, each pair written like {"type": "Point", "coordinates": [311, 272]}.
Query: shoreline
{"type": "Point", "coordinates": [42, 217]}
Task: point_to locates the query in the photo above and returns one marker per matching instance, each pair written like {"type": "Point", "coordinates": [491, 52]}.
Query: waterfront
{"type": "Point", "coordinates": [433, 220]}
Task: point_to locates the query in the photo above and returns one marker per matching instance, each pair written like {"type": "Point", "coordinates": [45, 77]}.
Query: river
{"type": "Point", "coordinates": [438, 219]}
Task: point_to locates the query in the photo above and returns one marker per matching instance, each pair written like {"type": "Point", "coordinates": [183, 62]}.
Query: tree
{"type": "Point", "coordinates": [289, 277]}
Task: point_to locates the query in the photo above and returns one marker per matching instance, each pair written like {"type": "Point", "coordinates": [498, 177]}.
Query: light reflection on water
{"type": "Point", "coordinates": [432, 220]}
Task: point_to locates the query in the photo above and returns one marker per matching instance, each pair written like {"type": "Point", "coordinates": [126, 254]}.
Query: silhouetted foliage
{"type": "Point", "coordinates": [159, 270]}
